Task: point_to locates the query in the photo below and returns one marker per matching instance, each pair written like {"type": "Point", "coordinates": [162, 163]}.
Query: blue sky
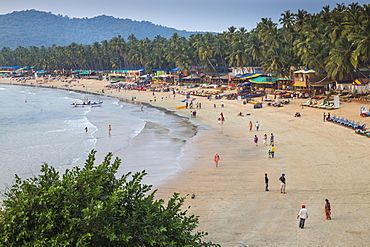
{"type": "Point", "coordinates": [190, 15]}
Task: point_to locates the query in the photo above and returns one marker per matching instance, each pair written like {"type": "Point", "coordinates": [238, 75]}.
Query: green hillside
{"type": "Point", "coordinates": [37, 28]}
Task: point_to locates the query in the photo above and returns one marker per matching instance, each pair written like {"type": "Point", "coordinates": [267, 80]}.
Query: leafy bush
{"type": "Point", "coordinates": [89, 206]}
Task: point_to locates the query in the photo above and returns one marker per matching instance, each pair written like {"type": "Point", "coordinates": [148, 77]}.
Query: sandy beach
{"type": "Point", "coordinates": [320, 159]}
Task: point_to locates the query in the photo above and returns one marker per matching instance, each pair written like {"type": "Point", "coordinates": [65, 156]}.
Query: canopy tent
{"type": "Point", "coordinates": [86, 72]}
{"type": "Point", "coordinates": [246, 77]}
{"type": "Point", "coordinates": [264, 80]}
{"type": "Point", "coordinates": [299, 84]}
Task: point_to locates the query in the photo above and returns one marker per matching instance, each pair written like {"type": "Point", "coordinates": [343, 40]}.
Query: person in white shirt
{"type": "Point", "coordinates": [257, 125]}
{"type": "Point", "coordinates": [302, 215]}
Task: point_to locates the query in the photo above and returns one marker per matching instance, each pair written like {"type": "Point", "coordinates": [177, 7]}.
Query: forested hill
{"type": "Point", "coordinates": [37, 28]}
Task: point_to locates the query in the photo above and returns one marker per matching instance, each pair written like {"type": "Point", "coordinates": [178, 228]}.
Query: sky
{"type": "Point", "coordinates": [190, 15]}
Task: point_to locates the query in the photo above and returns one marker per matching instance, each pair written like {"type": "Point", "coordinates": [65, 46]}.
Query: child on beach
{"type": "Point", "coordinates": [219, 120]}
{"type": "Point", "coordinates": [269, 154]}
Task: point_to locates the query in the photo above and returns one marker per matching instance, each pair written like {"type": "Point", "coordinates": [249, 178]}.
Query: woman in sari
{"type": "Point", "coordinates": [327, 209]}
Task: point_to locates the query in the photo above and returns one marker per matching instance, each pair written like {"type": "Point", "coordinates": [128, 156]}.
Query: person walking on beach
{"type": "Point", "coordinates": [222, 104]}
{"type": "Point", "coordinates": [272, 151]}
{"type": "Point", "coordinates": [216, 159]}
{"type": "Point", "coordinates": [266, 182]}
{"type": "Point", "coordinates": [109, 129]}
{"type": "Point", "coordinates": [255, 139]}
{"type": "Point", "coordinates": [250, 125]}
{"type": "Point", "coordinates": [302, 215]}
{"type": "Point", "coordinates": [265, 140]}
{"type": "Point", "coordinates": [283, 183]}
{"type": "Point", "coordinates": [257, 125]}
{"type": "Point", "coordinates": [324, 116]}
{"type": "Point", "coordinates": [272, 139]}
{"type": "Point", "coordinates": [269, 153]}
{"type": "Point", "coordinates": [327, 209]}
{"type": "Point", "coordinates": [222, 118]}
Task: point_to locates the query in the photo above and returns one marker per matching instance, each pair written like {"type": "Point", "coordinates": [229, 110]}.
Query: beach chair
{"type": "Point", "coordinates": [351, 124]}
{"type": "Point", "coordinates": [362, 127]}
{"type": "Point", "coordinates": [345, 120]}
{"type": "Point", "coordinates": [322, 105]}
{"type": "Point", "coordinates": [329, 106]}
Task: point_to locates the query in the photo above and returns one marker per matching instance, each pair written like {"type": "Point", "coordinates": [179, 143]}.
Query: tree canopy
{"type": "Point", "coordinates": [335, 40]}
{"type": "Point", "coordinates": [90, 206]}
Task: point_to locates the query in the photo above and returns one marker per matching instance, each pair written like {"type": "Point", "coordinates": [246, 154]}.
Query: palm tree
{"type": "Point", "coordinates": [341, 60]}
{"type": "Point", "coordinates": [238, 56]}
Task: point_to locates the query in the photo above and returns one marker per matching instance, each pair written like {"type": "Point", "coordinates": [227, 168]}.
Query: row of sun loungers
{"type": "Point", "coordinates": [362, 132]}
{"type": "Point", "coordinates": [323, 105]}
{"type": "Point", "coordinates": [359, 128]}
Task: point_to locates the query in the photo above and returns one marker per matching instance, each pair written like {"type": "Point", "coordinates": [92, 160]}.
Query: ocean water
{"type": "Point", "coordinates": [39, 125]}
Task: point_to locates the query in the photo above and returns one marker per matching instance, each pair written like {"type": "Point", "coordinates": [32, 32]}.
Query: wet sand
{"type": "Point", "coordinates": [320, 159]}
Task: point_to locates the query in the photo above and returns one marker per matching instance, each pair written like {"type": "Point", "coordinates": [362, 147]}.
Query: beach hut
{"type": "Point", "coordinates": [304, 79]}
{"type": "Point", "coordinates": [263, 83]}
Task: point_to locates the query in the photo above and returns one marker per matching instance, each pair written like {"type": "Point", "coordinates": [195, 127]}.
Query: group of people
{"type": "Point", "coordinates": [109, 129]}
{"type": "Point", "coordinates": [303, 213]}
{"type": "Point", "coordinates": [251, 125]}
{"type": "Point", "coordinates": [282, 181]}
{"type": "Point", "coordinates": [271, 151]}
{"type": "Point", "coordinates": [221, 118]}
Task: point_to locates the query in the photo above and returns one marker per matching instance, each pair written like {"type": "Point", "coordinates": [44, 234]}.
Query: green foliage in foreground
{"type": "Point", "coordinates": [89, 206]}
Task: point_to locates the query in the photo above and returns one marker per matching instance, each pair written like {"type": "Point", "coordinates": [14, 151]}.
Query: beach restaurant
{"type": "Point", "coordinates": [127, 74]}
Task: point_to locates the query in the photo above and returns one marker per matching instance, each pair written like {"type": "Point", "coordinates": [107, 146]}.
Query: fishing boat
{"type": "Point", "coordinates": [92, 104]}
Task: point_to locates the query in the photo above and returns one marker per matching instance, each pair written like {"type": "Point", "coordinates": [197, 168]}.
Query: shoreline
{"type": "Point", "coordinates": [152, 128]}
{"type": "Point", "coordinates": [320, 159]}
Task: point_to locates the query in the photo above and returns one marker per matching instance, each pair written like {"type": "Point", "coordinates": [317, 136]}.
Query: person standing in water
{"type": "Point", "coordinates": [109, 129]}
